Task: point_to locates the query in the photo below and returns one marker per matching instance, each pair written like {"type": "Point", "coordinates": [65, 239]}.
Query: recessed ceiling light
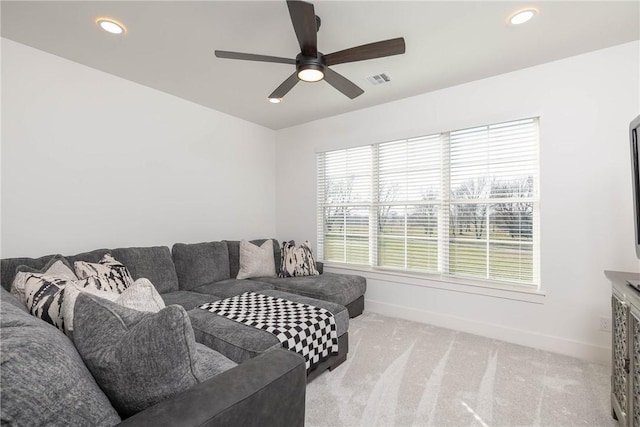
{"type": "Point", "coordinates": [521, 16]}
{"type": "Point", "coordinates": [275, 100]}
{"type": "Point", "coordinates": [111, 25]}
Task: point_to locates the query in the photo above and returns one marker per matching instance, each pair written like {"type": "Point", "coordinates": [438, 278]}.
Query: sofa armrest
{"type": "Point", "coordinates": [268, 390]}
{"type": "Point", "coordinates": [320, 267]}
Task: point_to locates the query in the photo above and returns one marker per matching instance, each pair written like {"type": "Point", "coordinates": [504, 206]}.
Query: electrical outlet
{"type": "Point", "coordinates": [605, 324]}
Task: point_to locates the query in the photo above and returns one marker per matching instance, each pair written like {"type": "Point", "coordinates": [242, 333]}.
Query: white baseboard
{"type": "Point", "coordinates": [581, 350]}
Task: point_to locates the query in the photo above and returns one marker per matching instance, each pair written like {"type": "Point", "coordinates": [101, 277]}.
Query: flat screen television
{"type": "Point", "coordinates": [634, 138]}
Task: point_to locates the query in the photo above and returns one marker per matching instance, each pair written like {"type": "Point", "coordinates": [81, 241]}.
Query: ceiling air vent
{"type": "Point", "coordinates": [378, 79]}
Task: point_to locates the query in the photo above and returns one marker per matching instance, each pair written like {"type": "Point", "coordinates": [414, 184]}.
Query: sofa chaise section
{"type": "Point", "coordinates": [343, 289]}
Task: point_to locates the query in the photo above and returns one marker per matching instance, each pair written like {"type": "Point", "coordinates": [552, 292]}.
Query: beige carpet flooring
{"type": "Point", "coordinates": [402, 373]}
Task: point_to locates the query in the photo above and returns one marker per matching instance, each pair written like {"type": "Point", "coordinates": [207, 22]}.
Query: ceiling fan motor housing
{"type": "Point", "coordinates": [310, 63]}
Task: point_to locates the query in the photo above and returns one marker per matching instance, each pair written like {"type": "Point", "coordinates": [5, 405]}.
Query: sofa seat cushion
{"type": "Point", "coordinates": [233, 287]}
{"type": "Point", "coordinates": [339, 288]}
{"type": "Point", "coordinates": [188, 299]}
{"type": "Point", "coordinates": [236, 341]}
{"type": "Point", "coordinates": [240, 342]}
{"type": "Point", "coordinates": [44, 380]}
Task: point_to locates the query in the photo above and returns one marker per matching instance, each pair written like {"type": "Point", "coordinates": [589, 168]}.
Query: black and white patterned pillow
{"type": "Point", "coordinates": [114, 271]}
{"type": "Point", "coordinates": [58, 267]}
{"type": "Point", "coordinates": [297, 261]}
{"type": "Point", "coordinates": [45, 295]}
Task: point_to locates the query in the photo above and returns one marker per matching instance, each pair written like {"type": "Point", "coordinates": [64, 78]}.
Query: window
{"type": "Point", "coordinates": [344, 185]}
{"type": "Point", "coordinates": [461, 203]}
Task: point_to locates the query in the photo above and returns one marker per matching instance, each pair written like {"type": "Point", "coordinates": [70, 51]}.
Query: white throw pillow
{"type": "Point", "coordinates": [141, 296]}
{"type": "Point", "coordinates": [256, 261]}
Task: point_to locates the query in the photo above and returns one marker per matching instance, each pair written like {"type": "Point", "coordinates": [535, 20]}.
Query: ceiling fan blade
{"type": "Point", "coordinates": [340, 82]}
{"type": "Point", "coordinates": [367, 51]}
{"type": "Point", "coordinates": [252, 57]}
{"type": "Point", "coordinates": [285, 87]}
{"type": "Point", "coordinates": [303, 18]}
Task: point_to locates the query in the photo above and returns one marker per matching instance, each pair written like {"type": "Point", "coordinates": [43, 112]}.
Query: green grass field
{"type": "Point", "coordinates": [507, 261]}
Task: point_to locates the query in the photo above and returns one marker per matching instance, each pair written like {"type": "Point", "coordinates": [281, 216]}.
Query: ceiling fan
{"type": "Point", "coordinates": [312, 65]}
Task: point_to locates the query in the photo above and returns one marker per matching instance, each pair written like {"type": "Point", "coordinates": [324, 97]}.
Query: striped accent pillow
{"type": "Point", "coordinates": [44, 295]}
{"type": "Point", "coordinates": [109, 268]}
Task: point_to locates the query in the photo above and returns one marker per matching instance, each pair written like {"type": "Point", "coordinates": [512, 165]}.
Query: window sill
{"type": "Point", "coordinates": [455, 284]}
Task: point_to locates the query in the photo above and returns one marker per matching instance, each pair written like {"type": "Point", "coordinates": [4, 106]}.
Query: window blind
{"type": "Point", "coordinates": [493, 197]}
{"type": "Point", "coordinates": [344, 198]}
{"type": "Point", "coordinates": [409, 203]}
{"type": "Point", "coordinates": [459, 203]}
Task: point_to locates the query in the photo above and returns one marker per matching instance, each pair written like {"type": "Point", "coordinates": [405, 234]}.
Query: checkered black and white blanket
{"type": "Point", "coordinates": [305, 329]}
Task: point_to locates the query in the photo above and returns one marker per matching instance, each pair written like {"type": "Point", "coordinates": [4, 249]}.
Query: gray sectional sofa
{"type": "Point", "coordinates": [267, 387]}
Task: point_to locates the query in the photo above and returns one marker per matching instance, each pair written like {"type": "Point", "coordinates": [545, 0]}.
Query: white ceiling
{"type": "Point", "coordinates": [169, 45]}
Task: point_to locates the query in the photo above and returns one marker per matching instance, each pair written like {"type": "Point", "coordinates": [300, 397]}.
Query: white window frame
{"type": "Point", "coordinates": [443, 275]}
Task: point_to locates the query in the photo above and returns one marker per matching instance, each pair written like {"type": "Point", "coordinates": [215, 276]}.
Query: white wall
{"type": "Point", "coordinates": [585, 104]}
{"type": "Point", "coordinates": [91, 160]}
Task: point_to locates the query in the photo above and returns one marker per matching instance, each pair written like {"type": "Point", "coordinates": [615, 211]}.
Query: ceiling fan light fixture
{"type": "Point", "coordinates": [521, 16]}
{"type": "Point", "coordinates": [311, 64]}
{"type": "Point", "coordinates": [310, 73]}
{"type": "Point", "coordinates": [111, 25]}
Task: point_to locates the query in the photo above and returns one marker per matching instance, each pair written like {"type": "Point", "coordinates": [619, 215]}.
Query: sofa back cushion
{"type": "Point", "coordinates": [234, 255]}
{"type": "Point", "coordinates": [8, 266]}
{"type": "Point", "coordinates": [199, 264]}
{"type": "Point", "coordinates": [44, 380]}
{"type": "Point", "coordinates": [154, 263]}
{"type": "Point", "coordinates": [58, 266]}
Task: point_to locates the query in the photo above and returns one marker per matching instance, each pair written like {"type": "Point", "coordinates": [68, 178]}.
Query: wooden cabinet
{"type": "Point", "coordinates": [625, 349]}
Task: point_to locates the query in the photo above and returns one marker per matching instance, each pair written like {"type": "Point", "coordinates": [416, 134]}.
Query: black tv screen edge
{"type": "Point", "coordinates": [634, 138]}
